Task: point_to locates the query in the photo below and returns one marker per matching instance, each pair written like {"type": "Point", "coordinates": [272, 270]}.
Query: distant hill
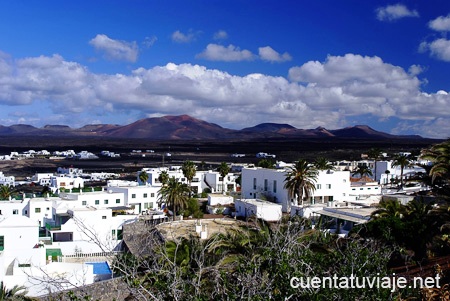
{"type": "Point", "coordinates": [185, 127]}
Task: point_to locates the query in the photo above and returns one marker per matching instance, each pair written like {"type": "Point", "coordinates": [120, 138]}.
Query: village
{"type": "Point", "coordinates": [68, 235]}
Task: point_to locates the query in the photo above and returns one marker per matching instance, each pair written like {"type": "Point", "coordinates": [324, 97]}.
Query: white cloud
{"type": "Point", "coordinates": [115, 49]}
{"type": "Point", "coordinates": [268, 54]}
{"type": "Point", "coordinates": [180, 37]}
{"type": "Point", "coordinates": [439, 49]}
{"type": "Point", "coordinates": [215, 52]}
{"type": "Point", "coordinates": [149, 41]}
{"type": "Point", "coordinates": [220, 35]}
{"type": "Point", "coordinates": [395, 12]}
{"type": "Point", "coordinates": [319, 93]}
{"type": "Point", "coordinates": [440, 23]}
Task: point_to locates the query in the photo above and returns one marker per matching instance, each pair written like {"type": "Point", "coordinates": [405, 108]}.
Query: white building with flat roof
{"type": "Point", "coordinates": [7, 180]}
{"type": "Point", "coordinates": [268, 184]}
{"type": "Point", "coordinates": [141, 198]}
{"type": "Point", "coordinates": [270, 212]}
{"type": "Point", "coordinates": [202, 179]}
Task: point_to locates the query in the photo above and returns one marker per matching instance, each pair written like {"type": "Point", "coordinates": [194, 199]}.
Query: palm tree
{"type": "Point", "coordinates": [143, 177]}
{"type": "Point", "coordinates": [163, 177]}
{"type": "Point", "coordinates": [5, 192]}
{"type": "Point", "coordinates": [189, 170]}
{"type": "Point", "coordinates": [403, 161]}
{"type": "Point", "coordinates": [362, 170]}
{"type": "Point", "coordinates": [375, 154]}
{"type": "Point", "coordinates": [16, 293]}
{"type": "Point", "coordinates": [322, 163]}
{"type": "Point", "coordinates": [223, 170]}
{"type": "Point", "coordinates": [439, 155]}
{"type": "Point", "coordinates": [389, 208]}
{"type": "Point", "coordinates": [300, 180]}
{"type": "Point", "coordinates": [174, 194]}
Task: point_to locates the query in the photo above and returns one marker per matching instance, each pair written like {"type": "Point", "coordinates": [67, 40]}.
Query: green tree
{"type": "Point", "coordinates": [223, 170]}
{"type": "Point", "coordinates": [5, 192]}
{"type": "Point", "coordinates": [14, 294]}
{"type": "Point", "coordinates": [143, 177]}
{"type": "Point", "coordinates": [362, 171]}
{"type": "Point", "coordinates": [322, 163]}
{"type": "Point", "coordinates": [163, 177]}
{"type": "Point", "coordinates": [402, 161]}
{"type": "Point", "coordinates": [266, 163]}
{"type": "Point", "coordinates": [174, 194]}
{"type": "Point", "coordinates": [189, 171]}
{"type": "Point", "coordinates": [439, 155]}
{"type": "Point", "coordinates": [375, 155]}
{"type": "Point", "coordinates": [300, 180]}
{"type": "Point", "coordinates": [389, 208]}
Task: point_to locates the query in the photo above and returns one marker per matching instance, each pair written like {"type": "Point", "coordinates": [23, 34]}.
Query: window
{"type": "Point", "coordinates": [319, 186]}
{"type": "Point", "coordinates": [104, 217]}
{"type": "Point", "coordinates": [275, 186]}
{"type": "Point", "coordinates": [117, 201]}
{"type": "Point", "coordinates": [37, 210]}
{"type": "Point", "coordinates": [97, 202]}
{"type": "Point", "coordinates": [145, 195]}
{"type": "Point", "coordinates": [152, 194]}
{"type": "Point", "coordinates": [2, 243]}
{"type": "Point", "coordinates": [62, 184]}
{"type": "Point", "coordinates": [254, 183]}
{"type": "Point", "coordinates": [84, 203]}
{"type": "Point", "coordinates": [106, 202]}
{"type": "Point", "coordinates": [328, 186]}
{"type": "Point", "coordinates": [361, 189]}
{"type": "Point", "coordinates": [133, 196]}
{"type": "Point", "coordinates": [265, 184]}
{"type": "Point", "coordinates": [15, 211]}
{"type": "Point", "coordinates": [113, 234]}
{"type": "Point", "coordinates": [150, 205]}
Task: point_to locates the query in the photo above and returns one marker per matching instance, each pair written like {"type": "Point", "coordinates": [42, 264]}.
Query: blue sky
{"type": "Point", "coordinates": [235, 63]}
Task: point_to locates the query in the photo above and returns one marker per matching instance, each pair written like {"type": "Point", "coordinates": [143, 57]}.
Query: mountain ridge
{"type": "Point", "coordinates": [185, 127]}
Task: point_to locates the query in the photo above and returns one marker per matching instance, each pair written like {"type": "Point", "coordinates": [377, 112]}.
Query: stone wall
{"type": "Point", "coordinates": [109, 290]}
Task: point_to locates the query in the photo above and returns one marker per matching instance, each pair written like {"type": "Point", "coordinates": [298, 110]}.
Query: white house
{"type": "Point", "coordinates": [7, 180]}
{"type": "Point", "coordinates": [269, 184]}
{"type": "Point", "coordinates": [13, 207]}
{"type": "Point", "coordinates": [265, 210]}
{"type": "Point", "coordinates": [42, 178]}
{"type": "Point", "coordinates": [97, 199]}
{"type": "Point", "coordinates": [66, 182]}
{"type": "Point", "coordinates": [23, 260]}
{"type": "Point", "coordinates": [81, 233]}
{"type": "Point", "coordinates": [395, 172]}
{"type": "Point", "coordinates": [139, 197]}
{"type": "Point", "coordinates": [201, 180]}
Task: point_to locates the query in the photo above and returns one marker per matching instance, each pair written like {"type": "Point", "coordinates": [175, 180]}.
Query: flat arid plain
{"type": "Point", "coordinates": [210, 152]}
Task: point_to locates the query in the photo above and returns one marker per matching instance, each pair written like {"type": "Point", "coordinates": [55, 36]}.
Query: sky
{"type": "Point", "coordinates": [322, 63]}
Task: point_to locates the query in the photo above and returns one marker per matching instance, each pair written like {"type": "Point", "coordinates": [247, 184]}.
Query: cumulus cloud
{"type": "Point", "coordinates": [215, 52]}
{"type": "Point", "coordinates": [394, 12]}
{"type": "Point", "coordinates": [440, 23]}
{"type": "Point", "coordinates": [268, 54]}
{"type": "Point", "coordinates": [316, 93]}
{"type": "Point", "coordinates": [220, 35]}
{"type": "Point", "coordinates": [366, 85]}
{"type": "Point", "coordinates": [439, 49]}
{"type": "Point", "coordinates": [115, 49]}
{"type": "Point", "coordinates": [180, 37]}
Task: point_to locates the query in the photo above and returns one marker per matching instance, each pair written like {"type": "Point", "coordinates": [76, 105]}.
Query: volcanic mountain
{"type": "Point", "coordinates": [185, 127]}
